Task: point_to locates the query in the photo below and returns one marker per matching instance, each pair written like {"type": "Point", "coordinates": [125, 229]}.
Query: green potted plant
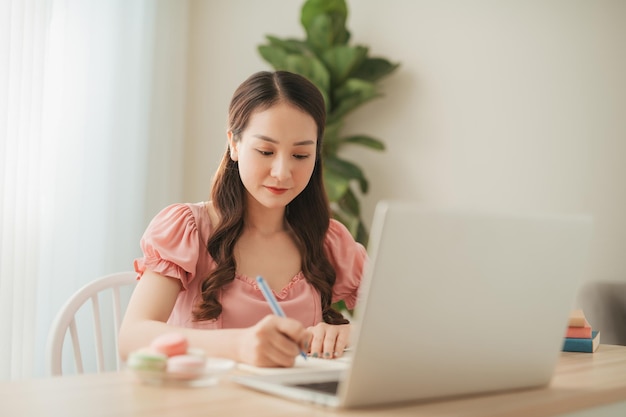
{"type": "Point", "coordinates": [347, 77]}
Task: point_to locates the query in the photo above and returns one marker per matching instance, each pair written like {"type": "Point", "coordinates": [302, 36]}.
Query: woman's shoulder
{"type": "Point", "coordinates": [182, 216]}
{"type": "Point", "coordinates": [348, 258]}
{"type": "Point", "coordinates": [172, 242]}
{"type": "Point", "coordinates": [338, 232]}
{"type": "Point", "coordinates": [176, 212]}
{"type": "Point", "coordinates": [339, 238]}
{"type": "Point", "coordinates": [203, 211]}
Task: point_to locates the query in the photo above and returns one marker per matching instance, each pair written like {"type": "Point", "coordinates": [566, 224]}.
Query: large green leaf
{"type": "Point", "coordinates": [373, 69]}
{"type": "Point", "coordinates": [331, 130]}
{"type": "Point", "coordinates": [291, 46]}
{"type": "Point", "coordinates": [352, 94]}
{"type": "Point", "coordinates": [342, 61]}
{"type": "Point", "coordinates": [312, 8]}
{"type": "Point", "coordinates": [336, 185]}
{"type": "Point", "coordinates": [311, 68]}
{"type": "Point", "coordinates": [353, 223]}
{"type": "Point", "coordinates": [332, 140]}
{"type": "Point", "coordinates": [274, 55]}
{"type": "Point", "coordinates": [350, 204]}
{"type": "Point", "coordinates": [347, 170]}
{"type": "Point", "coordinates": [325, 22]}
{"type": "Point", "coordinates": [324, 33]}
{"type": "Point", "coordinates": [364, 140]}
{"type": "Point", "coordinates": [320, 34]}
{"type": "Point", "coordinates": [362, 235]}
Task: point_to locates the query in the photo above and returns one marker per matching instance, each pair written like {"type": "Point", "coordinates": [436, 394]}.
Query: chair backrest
{"type": "Point", "coordinates": [105, 316]}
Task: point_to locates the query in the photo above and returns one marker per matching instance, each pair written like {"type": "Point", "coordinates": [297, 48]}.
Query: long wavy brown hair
{"type": "Point", "coordinates": [307, 215]}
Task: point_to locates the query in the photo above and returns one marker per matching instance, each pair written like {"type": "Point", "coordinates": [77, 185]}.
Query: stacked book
{"type": "Point", "coordinates": [580, 336]}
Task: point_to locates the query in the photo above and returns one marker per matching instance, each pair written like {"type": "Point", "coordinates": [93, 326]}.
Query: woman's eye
{"type": "Point", "coordinates": [265, 153]}
{"type": "Point", "coordinates": [301, 156]}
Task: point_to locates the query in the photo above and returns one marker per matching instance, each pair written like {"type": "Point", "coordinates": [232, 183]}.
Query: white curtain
{"type": "Point", "coordinates": [91, 135]}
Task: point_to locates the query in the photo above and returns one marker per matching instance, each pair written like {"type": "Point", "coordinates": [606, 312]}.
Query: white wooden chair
{"type": "Point", "coordinates": [105, 316]}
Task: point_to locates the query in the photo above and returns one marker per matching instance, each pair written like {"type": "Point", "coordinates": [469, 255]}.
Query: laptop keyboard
{"type": "Point", "coordinates": [329, 387]}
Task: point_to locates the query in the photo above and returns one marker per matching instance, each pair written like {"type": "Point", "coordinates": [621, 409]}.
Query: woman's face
{"type": "Point", "coordinates": [276, 154]}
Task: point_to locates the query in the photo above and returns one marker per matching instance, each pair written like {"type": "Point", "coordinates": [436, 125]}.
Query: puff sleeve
{"type": "Point", "coordinates": [348, 258]}
{"type": "Point", "coordinates": [171, 244]}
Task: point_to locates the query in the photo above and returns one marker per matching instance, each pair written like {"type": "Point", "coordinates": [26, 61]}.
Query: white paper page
{"type": "Point", "coordinates": [310, 364]}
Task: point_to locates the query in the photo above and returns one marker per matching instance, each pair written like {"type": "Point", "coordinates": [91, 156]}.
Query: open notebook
{"type": "Point", "coordinates": [453, 302]}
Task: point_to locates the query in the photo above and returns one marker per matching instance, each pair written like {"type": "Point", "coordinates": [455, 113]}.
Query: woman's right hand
{"type": "Point", "coordinates": [273, 342]}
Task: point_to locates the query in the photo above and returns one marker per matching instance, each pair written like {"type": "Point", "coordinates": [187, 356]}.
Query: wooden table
{"type": "Point", "coordinates": [584, 384]}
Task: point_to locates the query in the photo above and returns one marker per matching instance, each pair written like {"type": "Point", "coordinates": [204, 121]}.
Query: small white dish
{"type": "Point", "coordinates": [214, 369]}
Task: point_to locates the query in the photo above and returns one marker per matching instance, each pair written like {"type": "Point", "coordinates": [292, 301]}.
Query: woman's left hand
{"type": "Point", "coordinates": [328, 340]}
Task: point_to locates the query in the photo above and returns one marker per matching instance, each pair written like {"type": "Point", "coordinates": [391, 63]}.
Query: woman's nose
{"type": "Point", "coordinates": [281, 169]}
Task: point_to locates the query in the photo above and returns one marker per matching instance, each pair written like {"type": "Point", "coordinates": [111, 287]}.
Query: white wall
{"type": "Point", "coordinates": [500, 104]}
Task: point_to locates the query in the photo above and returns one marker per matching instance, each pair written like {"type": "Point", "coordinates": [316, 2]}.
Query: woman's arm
{"type": "Point", "coordinates": [273, 341]}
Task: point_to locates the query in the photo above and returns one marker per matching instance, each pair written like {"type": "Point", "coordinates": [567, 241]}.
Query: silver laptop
{"type": "Point", "coordinates": [453, 302]}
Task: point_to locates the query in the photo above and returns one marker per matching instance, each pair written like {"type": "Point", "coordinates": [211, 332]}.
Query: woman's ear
{"type": "Point", "coordinates": [232, 146]}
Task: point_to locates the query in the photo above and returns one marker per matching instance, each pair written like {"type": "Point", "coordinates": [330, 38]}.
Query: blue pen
{"type": "Point", "coordinates": [271, 300]}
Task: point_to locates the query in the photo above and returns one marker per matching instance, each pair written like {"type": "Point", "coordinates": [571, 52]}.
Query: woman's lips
{"type": "Point", "coordinates": [275, 190]}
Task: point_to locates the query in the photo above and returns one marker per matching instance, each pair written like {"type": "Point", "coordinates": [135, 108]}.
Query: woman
{"type": "Point", "coordinates": [268, 215]}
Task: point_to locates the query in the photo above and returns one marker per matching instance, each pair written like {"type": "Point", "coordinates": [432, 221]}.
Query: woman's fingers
{"type": "Point", "coordinates": [274, 341]}
{"type": "Point", "coordinates": [329, 341]}
{"type": "Point", "coordinates": [328, 345]}
{"type": "Point", "coordinates": [291, 339]}
{"type": "Point", "coordinates": [317, 340]}
{"type": "Point", "coordinates": [295, 333]}
{"type": "Point", "coordinates": [343, 340]}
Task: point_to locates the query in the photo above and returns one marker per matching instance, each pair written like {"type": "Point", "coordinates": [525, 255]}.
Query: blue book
{"type": "Point", "coordinates": [582, 345]}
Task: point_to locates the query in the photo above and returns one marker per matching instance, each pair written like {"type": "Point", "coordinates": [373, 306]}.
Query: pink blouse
{"type": "Point", "coordinates": [174, 245]}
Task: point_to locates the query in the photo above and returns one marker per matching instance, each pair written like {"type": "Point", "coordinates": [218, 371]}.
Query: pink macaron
{"type": "Point", "coordinates": [185, 366]}
{"type": "Point", "coordinates": [170, 344]}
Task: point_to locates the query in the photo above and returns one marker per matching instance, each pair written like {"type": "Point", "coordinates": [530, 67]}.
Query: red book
{"type": "Point", "coordinates": [579, 332]}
